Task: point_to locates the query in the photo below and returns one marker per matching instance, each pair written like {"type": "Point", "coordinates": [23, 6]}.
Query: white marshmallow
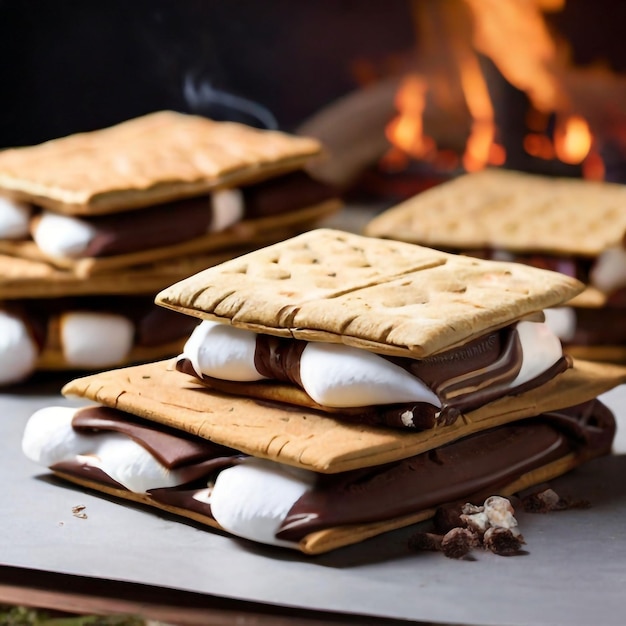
{"type": "Point", "coordinates": [252, 499]}
{"type": "Point", "coordinates": [18, 350]}
{"type": "Point", "coordinates": [562, 322]}
{"type": "Point", "coordinates": [14, 218]}
{"type": "Point", "coordinates": [49, 439]}
{"type": "Point", "coordinates": [222, 351]}
{"type": "Point", "coordinates": [95, 339]}
{"type": "Point", "coordinates": [342, 376]}
{"type": "Point", "coordinates": [541, 349]}
{"type": "Point", "coordinates": [609, 271]}
{"type": "Point", "coordinates": [62, 235]}
{"type": "Point", "coordinates": [228, 208]}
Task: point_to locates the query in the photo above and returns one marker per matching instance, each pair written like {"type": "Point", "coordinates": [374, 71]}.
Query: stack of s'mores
{"type": "Point", "coordinates": [338, 387]}
{"type": "Point", "coordinates": [93, 225]}
{"type": "Point", "coordinates": [572, 226]}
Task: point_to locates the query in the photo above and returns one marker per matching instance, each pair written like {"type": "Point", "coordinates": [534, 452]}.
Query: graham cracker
{"type": "Point", "coordinates": [25, 278]}
{"type": "Point", "coordinates": [385, 296]}
{"type": "Point", "coordinates": [514, 211]}
{"type": "Point", "coordinates": [251, 233]}
{"type": "Point", "coordinates": [156, 158]}
{"type": "Point", "coordinates": [337, 537]}
{"type": "Point", "coordinates": [305, 438]}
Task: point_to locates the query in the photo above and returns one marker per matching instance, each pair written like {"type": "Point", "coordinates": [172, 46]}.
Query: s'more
{"type": "Point", "coordinates": [572, 226]}
{"type": "Point", "coordinates": [337, 387]}
{"type": "Point", "coordinates": [156, 187]}
{"type": "Point", "coordinates": [93, 225]}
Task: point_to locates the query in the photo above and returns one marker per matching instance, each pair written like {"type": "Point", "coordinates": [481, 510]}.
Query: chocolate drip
{"type": "Point", "coordinates": [279, 358]}
{"type": "Point", "coordinates": [478, 463]}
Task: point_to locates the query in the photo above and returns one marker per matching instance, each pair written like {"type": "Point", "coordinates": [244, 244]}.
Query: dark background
{"type": "Point", "coordinates": [73, 65]}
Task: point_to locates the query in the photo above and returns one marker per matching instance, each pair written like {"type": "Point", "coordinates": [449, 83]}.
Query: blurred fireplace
{"type": "Point", "coordinates": [334, 68]}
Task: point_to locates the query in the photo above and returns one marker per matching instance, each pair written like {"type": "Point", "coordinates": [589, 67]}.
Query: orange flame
{"type": "Point", "coordinates": [514, 35]}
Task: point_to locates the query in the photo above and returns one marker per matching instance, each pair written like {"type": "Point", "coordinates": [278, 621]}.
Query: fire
{"type": "Point", "coordinates": [513, 35]}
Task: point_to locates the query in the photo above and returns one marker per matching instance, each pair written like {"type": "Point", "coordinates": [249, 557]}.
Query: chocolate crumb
{"type": "Point", "coordinates": [502, 541]}
{"type": "Point", "coordinates": [548, 500]}
{"type": "Point", "coordinates": [458, 542]}
{"type": "Point", "coordinates": [425, 542]}
{"type": "Point", "coordinates": [447, 517]}
{"type": "Point", "coordinates": [78, 511]}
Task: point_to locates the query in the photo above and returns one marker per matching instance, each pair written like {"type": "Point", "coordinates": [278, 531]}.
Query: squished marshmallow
{"type": "Point", "coordinates": [541, 349]}
{"type": "Point", "coordinates": [14, 218]}
{"type": "Point", "coordinates": [50, 439]}
{"type": "Point", "coordinates": [62, 235]}
{"type": "Point", "coordinates": [341, 376]}
{"type": "Point", "coordinates": [252, 499]}
{"type": "Point", "coordinates": [562, 322]}
{"type": "Point", "coordinates": [222, 351]}
{"type": "Point", "coordinates": [18, 350]}
{"type": "Point", "coordinates": [228, 208]}
{"type": "Point", "coordinates": [609, 271]}
{"type": "Point", "coordinates": [90, 339]}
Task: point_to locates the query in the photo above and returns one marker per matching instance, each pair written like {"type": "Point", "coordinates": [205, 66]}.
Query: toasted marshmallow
{"type": "Point", "coordinates": [50, 439]}
{"type": "Point", "coordinates": [541, 349]}
{"type": "Point", "coordinates": [609, 271]}
{"type": "Point", "coordinates": [562, 321]}
{"type": "Point", "coordinates": [14, 218]}
{"type": "Point", "coordinates": [222, 351]}
{"type": "Point", "coordinates": [341, 376]}
{"type": "Point", "coordinates": [252, 499]}
{"type": "Point", "coordinates": [62, 236]}
{"type": "Point", "coordinates": [18, 350]}
{"type": "Point", "coordinates": [95, 339]}
{"type": "Point", "coordinates": [228, 208]}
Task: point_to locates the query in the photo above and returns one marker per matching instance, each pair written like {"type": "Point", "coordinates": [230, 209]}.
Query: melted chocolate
{"type": "Point", "coordinates": [463, 378]}
{"type": "Point", "coordinates": [478, 464]}
{"type": "Point", "coordinates": [599, 326]}
{"type": "Point", "coordinates": [183, 220]}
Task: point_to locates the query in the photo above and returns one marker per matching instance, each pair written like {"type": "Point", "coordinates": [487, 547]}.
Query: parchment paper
{"type": "Point", "coordinates": [574, 571]}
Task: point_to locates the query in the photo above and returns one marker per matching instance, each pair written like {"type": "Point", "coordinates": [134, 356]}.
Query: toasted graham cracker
{"type": "Point", "coordinates": [385, 296]}
{"type": "Point", "coordinates": [148, 160]}
{"type": "Point", "coordinates": [303, 437]}
{"type": "Point", "coordinates": [511, 211]}
{"type": "Point", "coordinates": [25, 278]}
{"type": "Point", "coordinates": [341, 536]}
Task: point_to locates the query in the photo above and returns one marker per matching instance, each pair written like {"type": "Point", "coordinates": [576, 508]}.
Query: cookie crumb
{"type": "Point", "coordinates": [458, 542]}
{"type": "Point", "coordinates": [503, 541]}
{"type": "Point", "coordinates": [79, 511]}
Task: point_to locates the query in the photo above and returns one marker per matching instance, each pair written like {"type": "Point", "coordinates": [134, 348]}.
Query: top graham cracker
{"type": "Point", "coordinates": [511, 211]}
{"type": "Point", "coordinates": [384, 296]}
{"type": "Point", "coordinates": [151, 159]}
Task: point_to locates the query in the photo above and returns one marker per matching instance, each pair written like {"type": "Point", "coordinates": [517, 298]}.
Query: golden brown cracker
{"type": "Point", "coordinates": [148, 160]}
{"type": "Point", "coordinates": [385, 296]}
{"type": "Point", "coordinates": [514, 211]}
{"type": "Point", "coordinates": [25, 278]}
{"type": "Point", "coordinates": [306, 438]}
